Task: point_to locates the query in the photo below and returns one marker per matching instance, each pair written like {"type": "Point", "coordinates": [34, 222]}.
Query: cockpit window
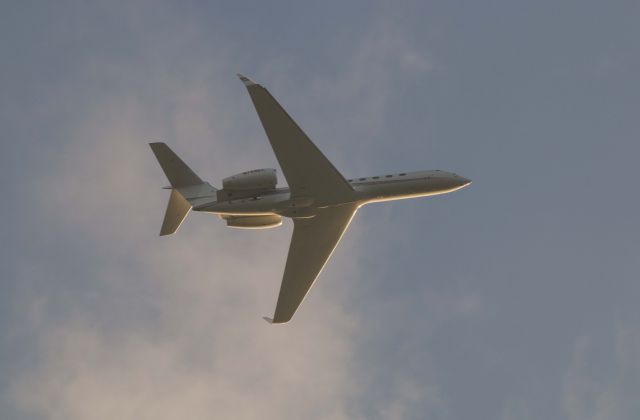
{"type": "Point", "coordinates": [402, 174]}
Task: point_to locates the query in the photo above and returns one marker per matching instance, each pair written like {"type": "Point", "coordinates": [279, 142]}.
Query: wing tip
{"type": "Point", "coordinates": [272, 321]}
{"type": "Point", "coordinates": [247, 82]}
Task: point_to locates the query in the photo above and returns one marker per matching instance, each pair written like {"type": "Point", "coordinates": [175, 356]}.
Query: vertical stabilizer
{"type": "Point", "coordinates": [186, 187]}
{"type": "Point", "coordinates": [177, 210]}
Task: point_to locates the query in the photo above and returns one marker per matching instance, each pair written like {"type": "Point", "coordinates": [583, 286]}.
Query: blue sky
{"type": "Point", "coordinates": [515, 298]}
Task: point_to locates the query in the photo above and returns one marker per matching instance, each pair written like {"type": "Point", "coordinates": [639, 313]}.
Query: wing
{"type": "Point", "coordinates": [308, 172]}
{"type": "Point", "coordinates": [312, 243]}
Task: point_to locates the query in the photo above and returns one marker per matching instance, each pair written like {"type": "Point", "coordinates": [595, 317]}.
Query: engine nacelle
{"type": "Point", "coordinates": [254, 222]}
{"type": "Point", "coordinates": [255, 180]}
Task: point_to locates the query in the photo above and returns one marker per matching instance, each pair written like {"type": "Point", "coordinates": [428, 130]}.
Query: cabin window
{"type": "Point", "coordinates": [388, 176]}
{"type": "Point", "coordinates": [402, 174]}
{"type": "Point", "coordinates": [362, 179]}
{"type": "Point", "coordinates": [376, 177]}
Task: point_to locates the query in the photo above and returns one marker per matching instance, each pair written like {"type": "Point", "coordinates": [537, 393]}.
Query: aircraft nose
{"type": "Point", "coordinates": [461, 181]}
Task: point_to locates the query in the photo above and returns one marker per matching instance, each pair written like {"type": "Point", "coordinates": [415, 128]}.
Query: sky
{"type": "Point", "coordinates": [514, 298]}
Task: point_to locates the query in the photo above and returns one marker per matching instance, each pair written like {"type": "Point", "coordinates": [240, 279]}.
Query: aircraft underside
{"type": "Point", "coordinates": [319, 200]}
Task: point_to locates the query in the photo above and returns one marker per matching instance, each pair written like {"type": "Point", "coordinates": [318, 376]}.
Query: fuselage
{"type": "Point", "coordinates": [365, 190]}
{"type": "Point", "coordinates": [320, 201]}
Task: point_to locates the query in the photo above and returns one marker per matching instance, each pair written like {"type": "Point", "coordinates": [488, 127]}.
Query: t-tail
{"type": "Point", "coordinates": [186, 187]}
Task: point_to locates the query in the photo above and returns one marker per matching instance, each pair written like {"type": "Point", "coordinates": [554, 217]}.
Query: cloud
{"type": "Point", "coordinates": [189, 341]}
{"type": "Point", "coordinates": [373, 62]}
{"type": "Point", "coordinates": [131, 325]}
{"type": "Point", "coordinates": [593, 392]}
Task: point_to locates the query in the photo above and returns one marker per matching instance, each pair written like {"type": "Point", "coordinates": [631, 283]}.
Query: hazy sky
{"type": "Point", "coordinates": [516, 298]}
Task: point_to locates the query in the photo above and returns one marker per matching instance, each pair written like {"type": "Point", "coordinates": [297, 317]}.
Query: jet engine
{"type": "Point", "coordinates": [247, 184]}
{"type": "Point", "coordinates": [254, 222]}
{"type": "Point", "coordinates": [255, 180]}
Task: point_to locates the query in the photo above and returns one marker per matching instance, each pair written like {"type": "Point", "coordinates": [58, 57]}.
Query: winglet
{"type": "Point", "coordinates": [247, 82]}
{"type": "Point", "coordinates": [269, 320]}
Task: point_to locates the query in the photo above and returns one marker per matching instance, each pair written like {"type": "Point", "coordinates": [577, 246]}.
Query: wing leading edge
{"type": "Point", "coordinates": [308, 172]}
{"type": "Point", "coordinates": [312, 243]}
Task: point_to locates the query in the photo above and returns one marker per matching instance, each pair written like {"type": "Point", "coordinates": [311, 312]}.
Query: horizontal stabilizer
{"type": "Point", "coordinates": [177, 172]}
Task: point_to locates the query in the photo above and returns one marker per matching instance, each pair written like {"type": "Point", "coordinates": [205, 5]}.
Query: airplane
{"type": "Point", "coordinates": [319, 200]}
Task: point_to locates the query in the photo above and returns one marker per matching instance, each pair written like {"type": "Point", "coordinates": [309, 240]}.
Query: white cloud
{"type": "Point", "coordinates": [207, 351]}
{"type": "Point", "coordinates": [171, 327]}
{"type": "Point", "coordinates": [594, 392]}
{"type": "Point", "coordinates": [381, 56]}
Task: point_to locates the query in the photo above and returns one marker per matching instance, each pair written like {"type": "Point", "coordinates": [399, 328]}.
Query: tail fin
{"type": "Point", "coordinates": [177, 210]}
{"type": "Point", "coordinates": [186, 187]}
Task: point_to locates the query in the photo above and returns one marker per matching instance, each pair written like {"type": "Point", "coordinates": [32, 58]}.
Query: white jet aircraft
{"type": "Point", "coordinates": [319, 199]}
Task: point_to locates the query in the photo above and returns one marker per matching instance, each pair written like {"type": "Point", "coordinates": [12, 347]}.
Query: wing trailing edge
{"type": "Point", "coordinates": [312, 243]}
{"type": "Point", "coordinates": [308, 172]}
